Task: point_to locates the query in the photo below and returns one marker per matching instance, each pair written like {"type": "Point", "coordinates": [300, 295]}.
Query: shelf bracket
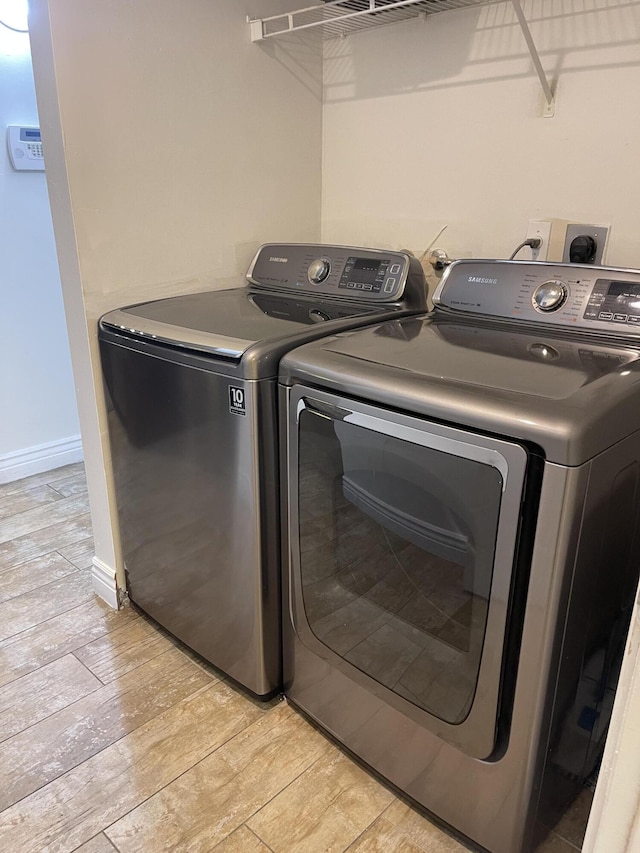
{"type": "Point", "coordinates": [535, 56]}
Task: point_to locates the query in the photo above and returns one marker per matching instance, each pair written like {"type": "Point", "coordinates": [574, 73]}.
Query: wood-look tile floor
{"type": "Point", "coordinates": [112, 737]}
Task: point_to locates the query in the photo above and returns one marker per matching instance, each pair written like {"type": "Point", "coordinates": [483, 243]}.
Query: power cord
{"type": "Point", "coordinates": [432, 243]}
{"type": "Point", "coordinates": [13, 29]}
{"type": "Point", "coordinates": [533, 242]}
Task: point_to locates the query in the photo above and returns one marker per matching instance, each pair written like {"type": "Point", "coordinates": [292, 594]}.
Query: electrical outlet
{"type": "Point", "coordinates": [540, 228]}
{"type": "Point", "coordinates": [594, 253]}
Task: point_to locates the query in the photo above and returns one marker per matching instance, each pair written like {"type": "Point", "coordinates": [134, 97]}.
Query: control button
{"type": "Point", "coordinates": [395, 269]}
{"type": "Point", "coordinates": [368, 287]}
{"type": "Point", "coordinates": [351, 284]}
{"type": "Point", "coordinates": [318, 270]}
{"type": "Point", "coordinates": [550, 295]}
{"type": "Point", "coordinates": [317, 316]}
{"type": "Point", "coordinates": [621, 318]}
{"type": "Point", "coordinates": [605, 315]}
{"type": "Point", "coordinates": [633, 319]}
{"type": "Point", "coordinates": [390, 285]}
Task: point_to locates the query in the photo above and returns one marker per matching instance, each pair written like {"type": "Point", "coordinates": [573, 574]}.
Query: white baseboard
{"type": "Point", "coordinates": [40, 458]}
{"type": "Point", "coordinates": [104, 582]}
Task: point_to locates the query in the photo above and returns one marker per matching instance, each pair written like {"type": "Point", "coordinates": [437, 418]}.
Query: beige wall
{"type": "Point", "coordinates": [174, 148]}
{"type": "Point", "coordinates": [438, 122]}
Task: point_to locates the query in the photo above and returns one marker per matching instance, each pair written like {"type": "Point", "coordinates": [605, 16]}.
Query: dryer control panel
{"type": "Point", "coordinates": [600, 299]}
{"type": "Point", "coordinates": [369, 275]}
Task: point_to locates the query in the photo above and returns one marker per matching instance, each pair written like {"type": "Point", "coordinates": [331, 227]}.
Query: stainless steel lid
{"type": "Point", "coordinates": [570, 395]}
{"type": "Point", "coordinates": [293, 291]}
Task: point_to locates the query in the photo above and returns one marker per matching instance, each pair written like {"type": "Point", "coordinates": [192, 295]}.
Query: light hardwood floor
{"type": "Point", "coordinates": [114, 737]}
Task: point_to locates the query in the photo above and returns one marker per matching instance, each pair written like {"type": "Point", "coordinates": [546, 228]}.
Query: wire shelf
{"type": "Point", "coordinates": [338, 18]}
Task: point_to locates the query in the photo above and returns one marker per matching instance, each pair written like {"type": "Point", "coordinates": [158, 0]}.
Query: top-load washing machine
{"type": "Point", "coordinates": [191, 399]}
{"type": "Point", "coordinates": [462, 545]}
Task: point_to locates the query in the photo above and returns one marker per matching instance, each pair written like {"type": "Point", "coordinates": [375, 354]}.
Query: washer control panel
{"type": "Point", "coordinates": [369, 275]}
{"type": "Point", "coordinates": [571, 295]}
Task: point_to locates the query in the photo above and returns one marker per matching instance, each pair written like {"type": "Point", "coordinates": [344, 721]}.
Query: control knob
{"type": "Point", "coordinates": [550, 295]}
{"type": "Point", "coordinates": [318, 270]}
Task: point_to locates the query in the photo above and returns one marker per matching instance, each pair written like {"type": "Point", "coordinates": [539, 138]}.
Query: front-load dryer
{"type": "Point", "coordinates": [461, 545]}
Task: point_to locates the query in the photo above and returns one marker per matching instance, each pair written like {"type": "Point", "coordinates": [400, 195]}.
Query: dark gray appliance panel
{"type": "Point", "coordinates": [188, 479]}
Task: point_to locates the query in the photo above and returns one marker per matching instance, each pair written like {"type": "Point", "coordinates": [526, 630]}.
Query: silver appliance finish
{"type": "Point", "coordinates": [556, 397]}
{"type": "Point", "coordinates": [191, 396]}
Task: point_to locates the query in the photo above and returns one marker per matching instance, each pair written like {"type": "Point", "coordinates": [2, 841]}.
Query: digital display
{"type": "Point", "coordinates": [615, 302]}
{"type": "Point", "coordinates": [29, 135]}
{"type": "Point", "coordinates": [623, 288]}
{"type": "Point", "coordinates": [364, 270]}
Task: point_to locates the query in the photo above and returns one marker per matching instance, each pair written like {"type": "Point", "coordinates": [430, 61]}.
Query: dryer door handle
{"type": "Point", "coordinates": [324, 410]}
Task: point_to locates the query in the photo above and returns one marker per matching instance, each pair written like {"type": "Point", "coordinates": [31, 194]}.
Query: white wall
{"type": "Point", "coordinates": [175, 147]}
{"type": "Point", "coordinates": [39, 425]}
{"type": "Point", "coordinates": [435, 122]}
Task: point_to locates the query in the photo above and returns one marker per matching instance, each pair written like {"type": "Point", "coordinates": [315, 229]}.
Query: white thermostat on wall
{"type": "Point", "coordinates": [25, 148]}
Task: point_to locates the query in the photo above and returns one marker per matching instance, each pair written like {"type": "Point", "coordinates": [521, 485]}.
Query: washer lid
{"type": "Point", "coordinates": [227, 322]}
{"type": "Point", "coordinates": [573, 396]}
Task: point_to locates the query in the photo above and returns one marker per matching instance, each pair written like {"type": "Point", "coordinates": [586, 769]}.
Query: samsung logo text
{"type": "Point", "coordinates": [479, 280]}
{"type": "Point", "coordinates": [280, 260]}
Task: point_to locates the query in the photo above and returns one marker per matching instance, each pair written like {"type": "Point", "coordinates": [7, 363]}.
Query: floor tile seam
{"type": "Point", "coordinates": [93, 838]}
{"type": "Point", "coordinates": [55, 491]}
{"type": "Point", "coordinates": [29, 674]}
{"type": "Point", "coordinates": [67, 559]}
{"type": "Point", "coordinates": [109, 839]}
{"type": "Point", "coordinates": [41, 530]}
{"type": "Point", "coordinates": [84, 666]}
{"type": "Point", "coordinates": [72, 653]}
{"type": "Point", "coordinates": [16, 637]}
{"type": "Point", "coordinates": [255, 835]}
{"type": "Point", "coordinates": [96, 689]}
{"type": "Point", "coordinates": [7, 512]}
{"type": "Point", "coordinates": [31, 559]}
{"type": "Point", "coordinates": [192, 767]}
{"type": "Point", "coordinates": [286, 787]}
{"type": "Point", "coordinates": [562, 837]}
{"type": "Point", "coordinates": [120, 675]}
{"type": "Point", "coordinates": [17, 515]}
{"type": "Point", "coordinates": [355, 841]}
{"type": "Point", "coordinates": [20, 565]}
{"type": "Point", "coordinates": [85, 566]}
{"type": "Point", "coordinates": [90, 595]}
{"type": "Point", "coordinates": [26, 482]}
{"type": "Point", "coordinates": [73, 570]}
{"type": "Point", "coordinates": [106, 746]}
{"type": "Point", "coordinates": [58, 492]}
{"type": "Point", "coordinates": [202, 689]}
{"type": "Point", "coordinates": [336, 795]}
{"type": "Point", "coordinates": [65, 476]}
{"type": "Point", "coordinates": [21, 487]}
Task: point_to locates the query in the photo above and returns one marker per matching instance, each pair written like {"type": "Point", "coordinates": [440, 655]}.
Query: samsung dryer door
{"type": "Point", "coordinates": [402, 543]}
